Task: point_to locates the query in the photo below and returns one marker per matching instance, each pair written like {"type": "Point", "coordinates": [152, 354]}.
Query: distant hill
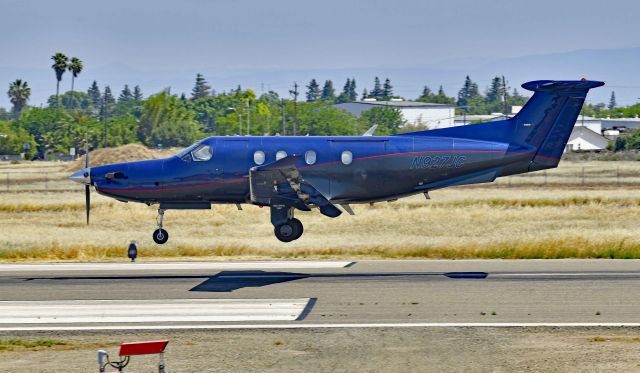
{"type": "Point", "coordinates": [617, 67]}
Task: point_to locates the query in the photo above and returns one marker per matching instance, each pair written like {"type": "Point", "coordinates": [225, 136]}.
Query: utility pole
{"type": "Point", "coordinates": [504, 97]}
{"type": "Point", "coordinates": [106, 119]}
{"type": "Point", "coordinates": [284, 126]}
{"type": "Point", "coordinates": [248, 117]}
{"type": "Point", "coordinates": [294, 92]}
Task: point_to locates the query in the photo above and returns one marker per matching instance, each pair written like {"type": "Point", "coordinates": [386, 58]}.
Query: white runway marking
{"type": "Point", "coordinates": [564, 274]}
{"type": "Point", "coordinates": [150, 311]}
{"type": "Point", "coordinates": [149, 266]}
{"type": "Point", "coordinates": [316, 326]}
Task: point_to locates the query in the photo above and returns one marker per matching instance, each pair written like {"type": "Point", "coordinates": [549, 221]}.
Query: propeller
{"type": "Point", "coordinates": [84, 177]}
{"type": "Point", "coordinates": [87, 186]}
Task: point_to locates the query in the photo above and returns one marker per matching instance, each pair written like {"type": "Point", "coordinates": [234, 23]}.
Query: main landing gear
{"type": "Point", "coordinates": [285, 226]}
{"type": "Point", "coordinates": [289, 231]}
{"type": "Point", "coordinates": [160, 236]}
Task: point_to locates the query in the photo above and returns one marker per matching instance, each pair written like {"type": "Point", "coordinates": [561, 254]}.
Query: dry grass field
{"type": "Point", "coordinates": [580, 210]}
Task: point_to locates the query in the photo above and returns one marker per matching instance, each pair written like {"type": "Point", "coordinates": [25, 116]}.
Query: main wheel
{"type": "Point", "coordinates": [160, 236]}
{"type": "Point", "coordinates": [286, 232]}
{"type": "Point", "coordinates": [298, 227]}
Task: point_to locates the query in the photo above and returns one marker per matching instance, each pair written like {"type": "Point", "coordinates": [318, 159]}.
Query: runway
{"type": "Point", "coordinates": [320, 294]}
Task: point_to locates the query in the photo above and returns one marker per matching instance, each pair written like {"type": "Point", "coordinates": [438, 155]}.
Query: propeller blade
{"type": "Point", "coordinates": [86, 157]}
{"type": "Point", "coordinates": [87, 196]}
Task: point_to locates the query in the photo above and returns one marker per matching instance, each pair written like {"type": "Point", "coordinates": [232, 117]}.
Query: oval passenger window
{"type": "Point", "coordinates": [258, 157]}
{"type": "Point", "coordinates": [347, 157]}
{"type": "Point", "coordinates": [310, 157]}
{"type": "Point", "coordinates": [280, 154]}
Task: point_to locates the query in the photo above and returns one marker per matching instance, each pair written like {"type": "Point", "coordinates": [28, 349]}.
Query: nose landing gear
{"type": "Point", "coordinates": [160, 236]}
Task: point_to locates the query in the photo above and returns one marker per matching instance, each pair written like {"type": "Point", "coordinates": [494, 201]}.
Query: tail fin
{"type": "Point", "coordinates": [546, 121]}
{"type": "Point", "coordinates": [543, 126]}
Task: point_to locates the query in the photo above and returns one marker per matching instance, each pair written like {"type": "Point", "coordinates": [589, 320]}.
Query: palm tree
{"type": "Point", "coordinates": [59, 66]}
{"type": "Point", "coordinates": [18, 93]}
{"type": "Point", "coordinates": [75, 67]}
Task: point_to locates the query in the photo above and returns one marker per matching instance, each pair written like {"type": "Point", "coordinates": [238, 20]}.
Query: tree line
{"type": "Point", "coordinates": [103, 118]}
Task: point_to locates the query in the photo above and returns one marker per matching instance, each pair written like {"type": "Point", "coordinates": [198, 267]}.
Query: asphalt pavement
{"type": "Point", "coordinates": [295, 294]}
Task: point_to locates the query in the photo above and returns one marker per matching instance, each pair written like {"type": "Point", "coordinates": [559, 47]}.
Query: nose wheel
{"type": "Point", "coordinates": [160, 236]}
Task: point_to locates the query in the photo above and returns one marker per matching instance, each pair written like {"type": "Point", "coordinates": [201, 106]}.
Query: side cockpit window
{"type": "Point", "coordinates": [197, 152]}
{"type": "Point", "coordinates": [202, 153]}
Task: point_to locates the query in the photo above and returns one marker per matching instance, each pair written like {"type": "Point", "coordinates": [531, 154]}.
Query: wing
{"type": "Point", "coordinates": [280, 183]}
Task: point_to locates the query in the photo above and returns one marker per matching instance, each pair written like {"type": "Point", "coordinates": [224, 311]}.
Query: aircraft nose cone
{"type": "Point", "coordinates": [80, 177]}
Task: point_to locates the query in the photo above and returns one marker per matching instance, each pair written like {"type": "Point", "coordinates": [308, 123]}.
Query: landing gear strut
{"type": "Point", "coordinates": [160, 236]}
{"type": "Point", "coordinates": [285, 226]}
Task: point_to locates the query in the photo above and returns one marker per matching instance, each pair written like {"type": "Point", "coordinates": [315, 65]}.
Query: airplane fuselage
{"type": "Point", "coordinates": [343, 169]}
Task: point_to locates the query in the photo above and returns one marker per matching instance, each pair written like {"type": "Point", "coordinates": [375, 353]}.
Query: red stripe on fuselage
{"type": "Point", "coordinates": [191, 186]}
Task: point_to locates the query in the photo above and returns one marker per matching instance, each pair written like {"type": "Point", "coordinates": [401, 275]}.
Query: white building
{"type": "Point", "coordinates": [415, 113]}
{"type": "Point", "coordinates": [584, 139]}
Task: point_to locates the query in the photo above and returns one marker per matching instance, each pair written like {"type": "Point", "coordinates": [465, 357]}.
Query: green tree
{"type": "Point", "coordinates": [126, 94]}
{"type": "Point", "coordinates": [470, 99]}
{"type": "Point", "coordinates": [42, 123]}
{"type": "Point", "coordinates": [201, 88]}
{"type": "Point", "coordinates": [387, 90]}
{"type": "Point", "coordinates": [59, 66]}
{"type": "Point", "coordinates": [497, 96]}
{"type": "Point", "coordinates": [388, 119]}
{"type": "Point", "coordinates": [612, 101]}
{"type": "Point", "coordinates": [353, 95]}
{"type": "Point", "coordinates": [73, 101]}
{"type": "Point", "coordinates": [515, 99]}
{"type": "Point", "coordinates": [328, 93]}
{"type": "Point", "coordinates": [95, 95]}
{"type": "Point", "coordinates": [313, 91]}
{"type": "Point", "coordinates": [137, 93]}
{"type": "Point", "coordinates": [165, 120]}
{"type": "Point", "coordinates": [19, 93]}
{"type": "Point", "coordinates": [426, 92]}
{"type": "Point", "coordinates": [440, 98]}
{"type": "Point", "coordinates": [13, 139]}
{"type": "Point", "coordinates": [344, 96]}
{"type": "Point", "coordinates": [495, 91]}
{"type": "Point", "coordinates": [4, 114]}
{"type": "Point", "coordinates": [131, 107]}
{"type": "Point", "coordinates": [321, 119]}
{"type": "Point", "coordinates": [108, 101]}
{"type": "Point", "coordinates": [376, 92]}
{"type": "Point", "coordinates": [75, 68]}
{"type": "Point", "coordinates": [122, 130]}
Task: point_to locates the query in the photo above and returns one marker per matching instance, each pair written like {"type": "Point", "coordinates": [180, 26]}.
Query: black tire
{"type": "Point", "coordinates": [160, 236]}
{"type": "Point", "coordinates": [286, 232]}
{"type": "Point", "coordinates": [298, 227]}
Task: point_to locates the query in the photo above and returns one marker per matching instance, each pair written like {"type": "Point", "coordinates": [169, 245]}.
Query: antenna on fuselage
{"type": "Point", "coordinates": [371, 130]}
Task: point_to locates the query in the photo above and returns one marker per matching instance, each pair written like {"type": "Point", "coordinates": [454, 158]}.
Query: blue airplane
{"type": "Point", "coordinates": [288, 172]}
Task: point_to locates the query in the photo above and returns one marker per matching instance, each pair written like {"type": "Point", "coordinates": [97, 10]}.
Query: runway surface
{"type": "Point", "coordinates": [307, 294]}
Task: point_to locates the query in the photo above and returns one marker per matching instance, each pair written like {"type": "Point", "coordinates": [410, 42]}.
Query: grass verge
{"type": "Point", "coordinates": [574, 247]}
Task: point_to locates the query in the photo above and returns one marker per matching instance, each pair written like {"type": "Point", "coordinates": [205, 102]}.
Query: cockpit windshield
{"type": "Point", "coordinates": [198, 152]}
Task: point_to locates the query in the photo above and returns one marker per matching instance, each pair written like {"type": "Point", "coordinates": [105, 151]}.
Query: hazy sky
{"type": "Point", "coordinates": [158, 43]}
{"type": "Point", "coordinates": [191, 34]}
